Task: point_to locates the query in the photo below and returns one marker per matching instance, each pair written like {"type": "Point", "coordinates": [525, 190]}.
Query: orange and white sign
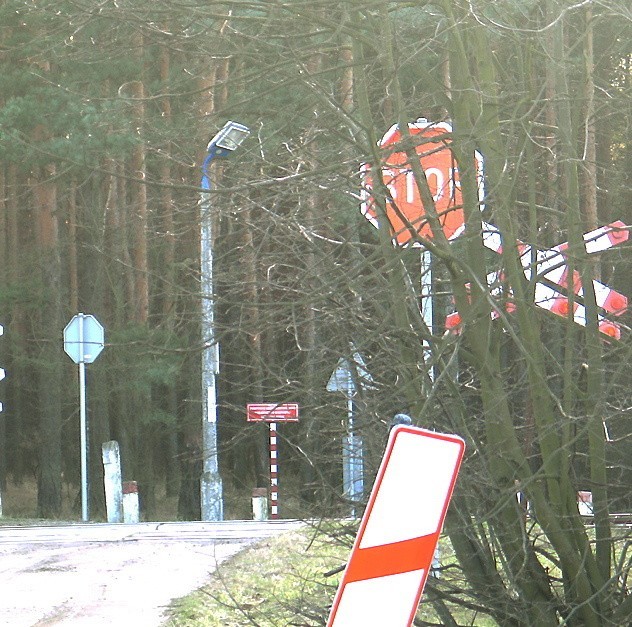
{"type": "Point", "coordinates": [442, 174]}
{"type": "Point", "coordinates": [391, 557]}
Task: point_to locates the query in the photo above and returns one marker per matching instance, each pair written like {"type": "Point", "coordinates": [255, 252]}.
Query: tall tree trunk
{"type": "Point", "coordinates": [142, 403]}
{"type": "Point", "coordinates": [550, 199]}
{"type": "Point", "coordinates": [168, 303]}
{"type": "Point", "coordinates": [17, 331]}
{"type": "Point", "coordinates": [139, 210]}
{"type": "Point", "coordinates": [120, 293]}
{"type": "Point", "coordinates": [73, 271]}
{"type": "Point", "coordinates": [254, 333]}
{"type": "Point", "coordinates": [168, 392]}
{"type": "Point", "coordinates": [312, 429]}
{"type": "Point", "coordinates": [3, 322]}
{"type": "Point", "coordinates": [589, 157]}
{"type": "Point", "coordinates": [49, 495]}
{"type": "Point", "coordinates": [95, 300]}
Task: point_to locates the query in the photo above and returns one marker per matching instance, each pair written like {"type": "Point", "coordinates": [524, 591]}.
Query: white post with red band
{"type": "Point", "coordinates": [392, 554]}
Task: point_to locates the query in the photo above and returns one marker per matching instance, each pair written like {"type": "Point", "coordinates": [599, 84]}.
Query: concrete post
{"type": "Point", "coordinates": [112, 481]}
{"type": "Point", "coordinates": [131, 505]}
{"type": "Point", "coordinates": [260, 504]}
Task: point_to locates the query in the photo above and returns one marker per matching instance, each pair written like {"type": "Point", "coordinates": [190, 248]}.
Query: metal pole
{"type": "Point", "coordinates": [352, 455]}
{"type": "Point", "coordinates": [427, 304]}
{"type": "Point", "coordinates": [347, 444]}
{"type": "Point", "coordinates": [83, 419]}
{"type": "Point", "coordinates": [350, 488]}
{"type": "Point", "coordinates": [211, 482]}
{"type": "Point", "coordinates": [350, 410]}
{"type": "Point", "coordinates": [427, 300]}
{"type": "Point", "coordinates": [352, 460]}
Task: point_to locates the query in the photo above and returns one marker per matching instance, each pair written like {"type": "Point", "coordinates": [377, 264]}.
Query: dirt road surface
{"type": "Point", "coordinates": [99, 575]}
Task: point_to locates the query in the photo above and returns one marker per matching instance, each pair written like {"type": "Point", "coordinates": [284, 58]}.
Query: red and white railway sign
{"type": "Point", "coordinates": [391, 557]}
{"type": "Point", "coordinates": [272, 412]}
{"type": "Point", "coordinates": [441, 172]}
{"type": "Point", "coordinates": [553, 283]}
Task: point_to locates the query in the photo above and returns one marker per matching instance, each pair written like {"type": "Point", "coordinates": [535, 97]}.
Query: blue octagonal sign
{"type": "Point", "coordinates": [83, 338]}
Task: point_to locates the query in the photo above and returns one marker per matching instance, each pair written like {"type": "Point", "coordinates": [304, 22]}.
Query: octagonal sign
{"type": "Point", "coordinates": [83, 338]}
{"type": "Point", "coordinates": [442, 174]}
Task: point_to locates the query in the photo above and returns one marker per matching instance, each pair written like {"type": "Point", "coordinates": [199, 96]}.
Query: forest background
{"type": "Point", "coordinates": [106, 108]}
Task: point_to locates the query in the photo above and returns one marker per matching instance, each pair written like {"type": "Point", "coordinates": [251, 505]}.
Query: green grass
{"type": "Point", "coordinates": [19, 503]}
{"type": "Point", "coordinates": [280, 583]}
{"type": "Point", "coordinates": [32, 522]}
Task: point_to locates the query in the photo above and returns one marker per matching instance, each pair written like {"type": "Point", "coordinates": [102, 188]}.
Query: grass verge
{"type": "Point", "coordinates": [280, 582]}
{"type": "Point", "coordinates": [277, 582]}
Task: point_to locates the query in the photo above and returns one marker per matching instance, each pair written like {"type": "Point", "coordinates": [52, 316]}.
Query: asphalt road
{"type": "Point", "coordinates": [98, 575]}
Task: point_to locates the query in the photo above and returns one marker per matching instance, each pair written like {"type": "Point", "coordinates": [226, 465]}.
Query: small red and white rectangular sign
{"type": "Point", "coordinates": [391, 557]}
{"type": "Point", "coordinates": [272, 412]}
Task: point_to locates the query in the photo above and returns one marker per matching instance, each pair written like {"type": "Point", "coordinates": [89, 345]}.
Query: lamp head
{"type": "Point", "coordinates": [401, 419]}
{"type": "Point", "coordinates": [229, 137]}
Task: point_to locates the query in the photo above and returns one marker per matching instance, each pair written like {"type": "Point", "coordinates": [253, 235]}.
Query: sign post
{"type": "Point", "coordinates": [392, 554]}
{"type": "Point", "coordinates": [405, 212]}
{"type": "Point", "coordinates": [83, 342]}
{"type": "Point", "coordinates": [345, 378]}
{"type": "Point", "coordinates": [273, 413]}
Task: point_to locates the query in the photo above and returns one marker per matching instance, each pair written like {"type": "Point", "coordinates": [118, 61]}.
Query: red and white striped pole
{"type": "Point", "coordinates": [274, 472]}
{"type": "Point", "coordinates": [273, 413]}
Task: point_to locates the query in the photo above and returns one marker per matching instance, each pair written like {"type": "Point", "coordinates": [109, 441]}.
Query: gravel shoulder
{"type": "Point", "coordinates": [119, 580]}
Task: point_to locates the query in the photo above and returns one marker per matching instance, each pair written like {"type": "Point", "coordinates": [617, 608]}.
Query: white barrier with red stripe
{"type": "Point", "coordinates": [392, 554]}
{"type": "Point", "coordinates": [595, 241]}
{"type": "Point", "coordinates": [552, 273]}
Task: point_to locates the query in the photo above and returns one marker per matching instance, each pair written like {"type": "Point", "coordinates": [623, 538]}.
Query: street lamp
{"type": "Point", "coordinates": [223, 144]}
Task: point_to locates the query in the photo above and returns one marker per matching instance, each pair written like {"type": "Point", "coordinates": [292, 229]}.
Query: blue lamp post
{"type": "Point", "coordinates": [223, 144]}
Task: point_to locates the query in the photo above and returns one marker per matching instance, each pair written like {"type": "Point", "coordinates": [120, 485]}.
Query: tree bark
{"type": "Point", "coordinates": [49, 495]}
{"type": "Point", "coordinates": [3, 322]}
